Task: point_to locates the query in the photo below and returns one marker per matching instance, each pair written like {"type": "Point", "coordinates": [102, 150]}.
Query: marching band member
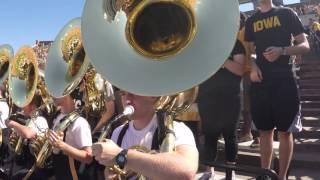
{"type": "Point", "coordinates": [141, 131]}
{"type": "Point", "coordinates": [73, 144]}
{"type": "Point", "coordinates": [35, 125]}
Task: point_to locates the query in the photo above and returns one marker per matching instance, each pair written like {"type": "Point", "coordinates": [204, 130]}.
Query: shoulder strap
{"type": "Point", "coordinates": [155, 141]}
{"type": "Point", "coordinates": [122, 133]}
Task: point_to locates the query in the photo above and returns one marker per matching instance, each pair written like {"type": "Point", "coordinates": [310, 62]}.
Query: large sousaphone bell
{"type": "Point", "coordinates": [23, 76]}
{"type": "Point", "coordinates": [159, 47]}
{"type": "Point", "coordinates": [6, 55]}
{"type": "Point", "coordinates": [66, 65]}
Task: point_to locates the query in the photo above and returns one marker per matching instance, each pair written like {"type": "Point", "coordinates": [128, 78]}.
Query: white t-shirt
{"type": "Point", "coordinates": [78, 134]}
{"type": "Point", "coordinates": [39, 125]}
{"type": "Point", "coordinates": [4, 113]}
{"type": "Point", "coordinates": [144, 136]}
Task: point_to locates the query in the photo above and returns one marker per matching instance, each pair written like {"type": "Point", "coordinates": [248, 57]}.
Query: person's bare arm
{"type": "Point", "coordinates": [255, 74]}
{"type": "Point", "coordinates": [83, 155]}
{"type": "Point", "coordinates": [24, 131]}
{"type": "Point", "coordinates": [301, 48]}
{"type": "Point", "coordinates": [181, 164]}
{"type": "Point", "coordinates": [273, 53]}
{"type": "Point", "coordinates": [236, 65]}
{"type": "Point", "coordinates": [110, 108]}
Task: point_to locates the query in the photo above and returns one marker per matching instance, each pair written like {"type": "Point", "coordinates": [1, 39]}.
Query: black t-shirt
{"type": "Point", "coordinates": [224, 80]}
{"type": "Point", "coordinates": [273, 28]}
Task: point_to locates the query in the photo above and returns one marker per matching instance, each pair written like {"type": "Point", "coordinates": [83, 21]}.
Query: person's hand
{"type": "Point", "coordinates": [255, 74]}
{"type": "Point", "coordinates": [56, 139]}
{"type": "Point", "coordinates": [272, 53]}
{"type": "Point", "coordinates": [105, 152]}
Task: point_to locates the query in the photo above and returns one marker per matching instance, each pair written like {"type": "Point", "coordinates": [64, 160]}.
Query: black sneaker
{"type": "Point", "coordinates": [263, 177]}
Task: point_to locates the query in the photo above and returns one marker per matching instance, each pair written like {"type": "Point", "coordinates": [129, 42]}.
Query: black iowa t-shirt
{"type": "Point", "coordinates": [273, 28]}
{"type": "Point", "coordinates": [223, 80]}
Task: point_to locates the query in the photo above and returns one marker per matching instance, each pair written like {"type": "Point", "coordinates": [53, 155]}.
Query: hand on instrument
{"type": "Point", "coordinates": [56, 139]}
{"type": "Point", "coordinates": [105, 152]}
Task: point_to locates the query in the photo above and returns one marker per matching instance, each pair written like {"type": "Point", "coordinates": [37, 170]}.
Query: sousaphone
{"type": "Point", "coordinates": [159, 47]}
{"type": "Point", "coordinates": [23, 76]}
{"type": "Point", "coordinates": [6, 55]}
{"type": "Point", "coordinates": [67, 63]}
{"type": "Point", "coordinates": [23, 79]}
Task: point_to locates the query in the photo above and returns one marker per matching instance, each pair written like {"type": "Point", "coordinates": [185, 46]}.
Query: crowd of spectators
{"type": "Point", "coordinates": [41, 48]}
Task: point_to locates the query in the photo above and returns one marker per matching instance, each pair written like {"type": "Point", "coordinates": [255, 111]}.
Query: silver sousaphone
{"type": "Point", "coordinates": [67, 63]}
{"type": "Point", "coordinates": [6, 55]}
{"type": "Point", "coordinates": [159, 47]}
{"type": "Point", "coordinates": [23, 76]}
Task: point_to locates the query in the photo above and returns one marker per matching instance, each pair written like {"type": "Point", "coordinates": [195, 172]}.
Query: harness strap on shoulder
{"type": "Point", "coordinates": [122, 133]}
{"type": "Point", "coordinates": [72, 168]}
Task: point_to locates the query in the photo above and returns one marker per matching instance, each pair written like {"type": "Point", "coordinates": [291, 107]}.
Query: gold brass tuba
{"type": "Point", "coordinates": [171, 106]}
{"type": "Point", "coordinates": [140, 46]}
{"type": "Point", "coordinates": [97, 91]}
{"type": "Point", "coordinates": [23, 78]}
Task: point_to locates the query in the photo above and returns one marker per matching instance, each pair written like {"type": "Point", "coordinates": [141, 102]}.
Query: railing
{"type": "Point", "coordinates": [314, 41]}
{"type": "Point", "coordinates": [244, 169]}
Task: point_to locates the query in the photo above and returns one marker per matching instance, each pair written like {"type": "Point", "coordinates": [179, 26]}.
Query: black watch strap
{"type": "Point", "coordinates": [121, 158]}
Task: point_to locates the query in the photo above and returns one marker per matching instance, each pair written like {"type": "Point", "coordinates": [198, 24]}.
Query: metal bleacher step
{"type": "Point", "coordinates": [307, 145]}
{"type": "Point", "coordinates": [311, 121]}
{"type": "Point", "coordinates": [308, 132]}
{"type": "Point", "coordinates": [310, 97]}
{"type": "Point", "coordinates": [310, 104]}
{"type": "Point", "coordinates": [306, 160]}
{"type": "Point", "coordinates": [310, 112]}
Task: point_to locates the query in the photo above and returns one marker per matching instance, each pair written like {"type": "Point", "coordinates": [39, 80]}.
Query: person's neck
{"type": "Point", "coordinates": [266, 6]}
{"type": "Point", "coordinates": [143, 122]}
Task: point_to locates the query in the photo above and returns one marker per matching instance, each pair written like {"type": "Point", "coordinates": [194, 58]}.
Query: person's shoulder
{"type": "Point", "coordinates": [80, 121]}
{"type": "Point", "coordinates": [180, 126]}
{"type": "Point", "coordinates": [285, 10]}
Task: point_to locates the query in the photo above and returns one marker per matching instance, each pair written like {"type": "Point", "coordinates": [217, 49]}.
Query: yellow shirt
{"type": "Point", "coordinates": [315, 26]}
{"type": "Point", "coordinates": [247, 64]}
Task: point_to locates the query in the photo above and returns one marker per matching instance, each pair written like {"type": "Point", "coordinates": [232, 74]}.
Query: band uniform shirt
{"type": "Point", "coordinates": [39, 124]}
{"type": "Point", "coordinates": [78, 134]}
{"type": "Point", "coordinates": [144, 136]}
{"type": "Point", "coordinates": [273, 28]}
{"type": "Point", "coordinates": [4, 113]}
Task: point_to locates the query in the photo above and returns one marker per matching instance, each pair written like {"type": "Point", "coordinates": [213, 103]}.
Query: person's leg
{"type": "Point", "coordinates": [287, 114]}
{"type": "Point", "coordinates": [266, 148]}
{"type": "Point", "coordinates": [285, 152]}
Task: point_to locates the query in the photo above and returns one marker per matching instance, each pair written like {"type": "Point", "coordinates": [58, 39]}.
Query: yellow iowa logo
{"type": "Point", "coordinates": [270, 22]}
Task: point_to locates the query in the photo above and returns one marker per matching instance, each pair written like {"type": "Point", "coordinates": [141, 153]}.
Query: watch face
{"type": "Point", "coordinates": [121, 159]}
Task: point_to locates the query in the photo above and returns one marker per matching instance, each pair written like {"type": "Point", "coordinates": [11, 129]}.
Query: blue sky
{"type": "Point", "coordinates": [24, 21]}
{"type": "Point", "coordinates": [249, 6]}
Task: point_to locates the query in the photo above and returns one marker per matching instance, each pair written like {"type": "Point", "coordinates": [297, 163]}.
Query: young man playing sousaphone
{"type": "Point", "coordinates": [141, 132]}
{"type": "Point", "coordinates": [73, 146]}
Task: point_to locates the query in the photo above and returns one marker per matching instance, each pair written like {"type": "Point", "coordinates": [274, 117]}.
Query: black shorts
{"type": "Point", "coordinates": [275, 104]}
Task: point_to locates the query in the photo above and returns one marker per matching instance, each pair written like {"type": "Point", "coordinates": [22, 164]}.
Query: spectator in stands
{"type": "Point", "coordinates": [274, 95]}
{"type": "Point", "coordinates": [219, 108]}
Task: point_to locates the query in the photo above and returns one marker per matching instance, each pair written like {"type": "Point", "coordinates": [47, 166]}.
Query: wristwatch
{"type": "Point", "coordinates": [121, 158]}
